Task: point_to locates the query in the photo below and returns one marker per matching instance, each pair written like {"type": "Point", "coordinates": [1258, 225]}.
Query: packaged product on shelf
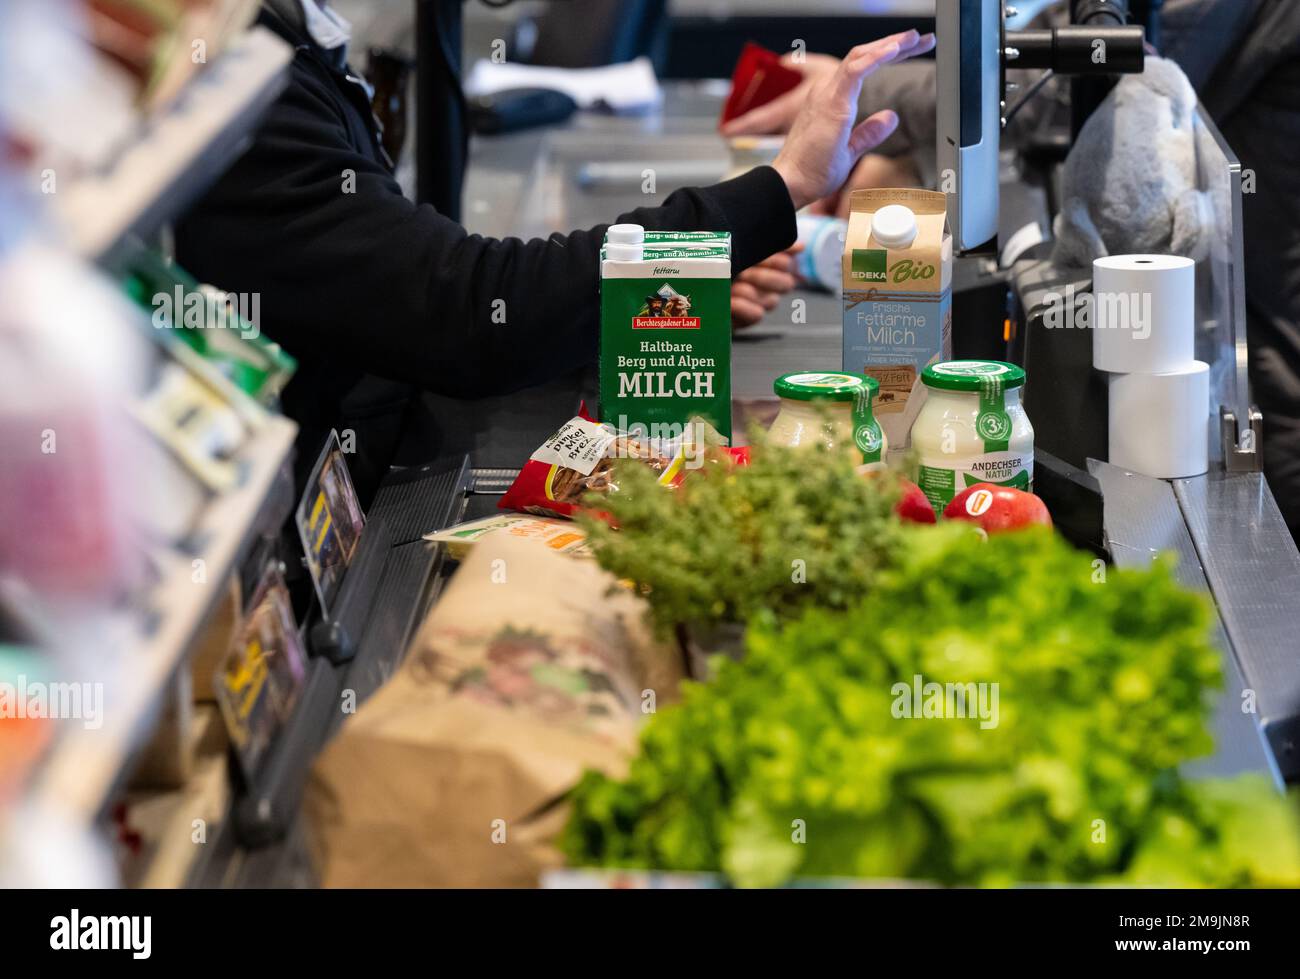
{"type": "Point", "coordinates": [154, 40]}
{"type": "Point", "coordinates": [561, 536]}
{"type": "Point", "coordinates": [223, 328]}
{"type": "Point", "coordinates": [580, 459]}
{"type": "Point", "coordinates": [258, 680]}
{"type": "Point", "coordinates": [830, 409]}
{"type": "Point", "coordinates": [972, 429]}
{"type": "Point", "coordinates": [329, 521]}
{"type": "Point", "coordinates": [897, 271]}
{"type": "Point", "coordinates": [665, 337]}
{"type": "Point", "coordinates": [23, 734]}
{"type": "Point", "coordinates": [196, 423]}
{"type": "Point", "coordinates": [71, 472]}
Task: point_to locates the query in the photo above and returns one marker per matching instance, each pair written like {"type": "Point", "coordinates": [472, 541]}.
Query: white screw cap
{"type": "Point", "coordinates": [625, 234]}
{"type": "Point", "coordinates": [894, 226]}
{"type": "Point", "coordinates": [620, 252]}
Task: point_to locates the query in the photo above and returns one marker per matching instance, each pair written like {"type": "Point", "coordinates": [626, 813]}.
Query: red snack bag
{"type": "Point", "coordinates": [579, 459]}
{"type": "Point", "coordinates": [758, 79]}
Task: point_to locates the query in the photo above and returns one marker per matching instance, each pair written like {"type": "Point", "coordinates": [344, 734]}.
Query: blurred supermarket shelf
{"type": "Point", "coordinates": [84, 766]}
{"type": "Point", "coordinates": [180, 152]}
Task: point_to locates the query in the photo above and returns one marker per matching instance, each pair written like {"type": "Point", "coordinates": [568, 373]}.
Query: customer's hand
{"type": "Point", "coordinates": [872, 171]}
{"type": "Point", "coordinates": [758, 290]}
{"type": "Point", "coordinates": [824, 144]}
{"type": "Point", "coordinates": [778, 115]}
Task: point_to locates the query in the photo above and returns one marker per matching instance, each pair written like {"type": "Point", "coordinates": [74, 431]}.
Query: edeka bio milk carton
{"type": "Point", "coordinates": [897, 297]}
{"type": "Point", "coordinates": [665, 338]}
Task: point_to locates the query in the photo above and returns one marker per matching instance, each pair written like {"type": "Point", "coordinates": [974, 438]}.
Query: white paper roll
{"type": "Point", "coordinates": [1143, 314]}
{"type": "Point", "coordinates": [1159, 423]}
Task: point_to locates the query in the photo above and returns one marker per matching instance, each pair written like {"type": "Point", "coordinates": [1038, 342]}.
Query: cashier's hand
{"type": "Point", "coordinates": [824, 144]}
{"type": "Point", "coordinates": [758, 290]}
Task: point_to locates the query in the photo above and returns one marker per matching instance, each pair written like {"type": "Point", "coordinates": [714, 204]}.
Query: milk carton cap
{"type": "Point", "coordinates": [617, 252]}
{"type": "Point", "coordinates": [625, 234]}
{"type": "Point", "coordinates": [894, 226]}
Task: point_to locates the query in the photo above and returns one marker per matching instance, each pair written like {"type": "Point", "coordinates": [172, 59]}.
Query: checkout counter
{"type": "Point", "coordinates": [1224, 527]}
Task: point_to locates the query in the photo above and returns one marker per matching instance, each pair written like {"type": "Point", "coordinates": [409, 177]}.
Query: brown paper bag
{"type": "Point", "coordinates": [527, 672]}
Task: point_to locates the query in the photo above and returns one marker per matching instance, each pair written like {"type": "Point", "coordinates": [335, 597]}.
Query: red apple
{"type": "Point", "coordinates": [914, 506]}
{"type": "Point", "coordinates": [998, 508]}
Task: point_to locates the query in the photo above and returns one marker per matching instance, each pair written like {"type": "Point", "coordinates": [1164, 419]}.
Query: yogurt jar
{"type": "Point", "coordinates": [830, 409]}
{"type": "Point", "coordinates": [972, 429]}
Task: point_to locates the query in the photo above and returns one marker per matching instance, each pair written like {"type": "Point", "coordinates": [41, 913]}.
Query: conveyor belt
{"type": "Point", "coordinates": [1143, 521]}
{"type": "Point", "coordinates": [1253, 569]}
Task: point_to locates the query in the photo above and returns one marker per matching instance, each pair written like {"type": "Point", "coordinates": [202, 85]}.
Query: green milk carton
{"type": "Point", "coordinates": [665, 336]}
{"type": "Point", "coordinates": [634, 234]}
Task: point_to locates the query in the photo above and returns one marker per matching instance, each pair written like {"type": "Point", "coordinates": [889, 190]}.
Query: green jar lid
{"type": "Point", "coordinates": [972, 375]}
{"type": "Point", "coordinates": [823, 386]}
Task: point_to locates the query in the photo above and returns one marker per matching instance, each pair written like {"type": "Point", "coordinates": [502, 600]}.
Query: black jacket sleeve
{"type": "Point", "coordinates": [348, 268]}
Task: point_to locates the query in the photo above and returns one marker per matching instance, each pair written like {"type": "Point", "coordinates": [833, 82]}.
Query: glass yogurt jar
{"type": "Point", "coordinates": [831, 409]}
{"type": "Point", "coordinates": [972, 429]}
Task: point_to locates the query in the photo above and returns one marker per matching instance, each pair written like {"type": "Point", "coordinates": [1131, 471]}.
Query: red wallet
{"type": "Point", "coordinates": [758, 79]}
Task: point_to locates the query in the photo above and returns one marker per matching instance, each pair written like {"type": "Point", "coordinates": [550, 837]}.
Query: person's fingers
{"type": "Point", "coordinates": [769, 279]}
{"type": "Point", "coordinates": [873, 50]}
{"type": "Point", "coordinates": [771, 117]}
{"type": "Point", "coordinates": [745, 313]}
{"type": "Point", "coordinates": [855, 69]}
{"type": "Point", "coordinates": [781, 261]}
{"type": "Point", "coordinates": [865, 59]}
{"type": "Point", "coordinates": [872, 131]}
{"type": "Point", "coordinates": [925, 46]}
{"type": "Point", "coordinates": [903, 39]}
{"type": "Point", "coordinates": [807, 61]}
{"type": "Point", "coordinates": [747, 292]}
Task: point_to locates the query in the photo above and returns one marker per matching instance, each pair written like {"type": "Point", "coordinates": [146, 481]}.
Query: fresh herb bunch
{"type": "Point", "coordinates": [1102, 691]}
{"type": "Point", "coordinates": [733, 544]}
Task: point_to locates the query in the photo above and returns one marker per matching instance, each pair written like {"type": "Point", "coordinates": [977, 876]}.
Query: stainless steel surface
{"type": "Point", "coordinates": [1143, 521]}
{"type": "Point", "coordinates": [1254, 571]}
{"type": "Point", "coordinates": [527, 184]}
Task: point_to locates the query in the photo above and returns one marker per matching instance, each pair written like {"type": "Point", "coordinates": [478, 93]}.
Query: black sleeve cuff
{"type": "Point", "coordinates": [757, 210]}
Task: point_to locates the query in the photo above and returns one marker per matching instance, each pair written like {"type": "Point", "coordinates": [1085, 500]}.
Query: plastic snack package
{"type": "Point", "coordinates": [580, 458]}
{"type": "Point", "coordinates": [560, 536]}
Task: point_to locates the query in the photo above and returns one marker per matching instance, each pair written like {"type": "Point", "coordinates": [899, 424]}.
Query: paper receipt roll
{"type": "Point", "coordinates": [1159, 423]}
{"type": "Point", "coordinates": [1144, 313]}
